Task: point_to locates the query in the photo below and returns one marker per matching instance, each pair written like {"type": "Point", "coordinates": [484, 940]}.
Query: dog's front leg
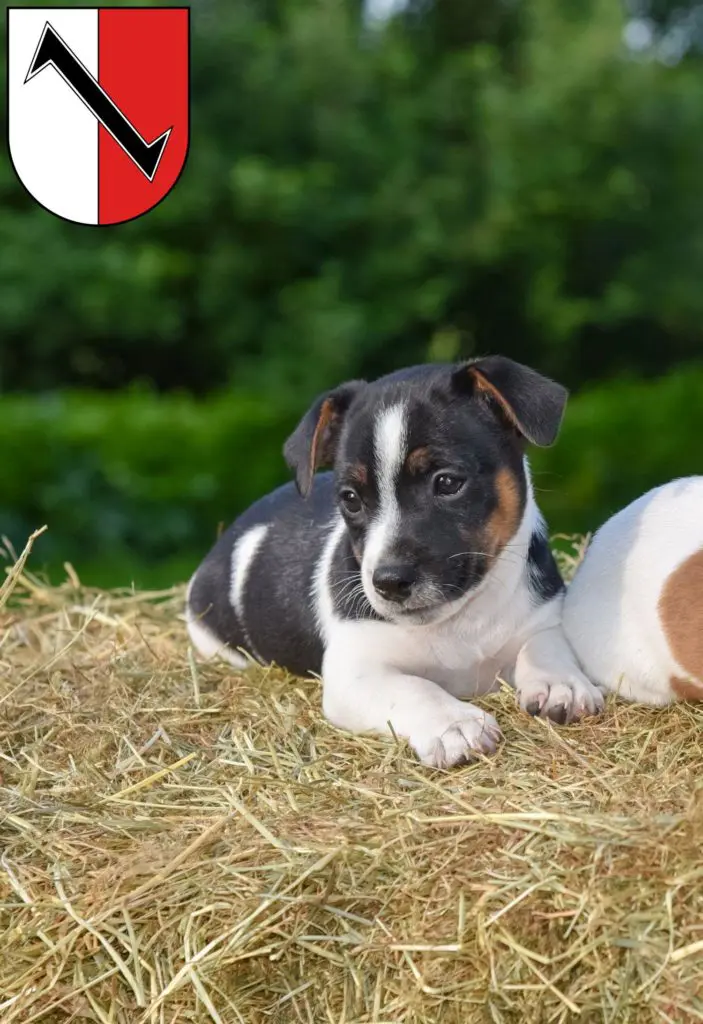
{"type": "Point", "coordinates": [443, 731]}
{"type": "Point", "coordinates": [549, 681]}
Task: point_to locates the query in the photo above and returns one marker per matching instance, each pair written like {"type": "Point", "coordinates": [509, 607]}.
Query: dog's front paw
{"type": "Point", "coordinates": [562, 701]}
{"type": "Point", "coordinates": [446, 741]}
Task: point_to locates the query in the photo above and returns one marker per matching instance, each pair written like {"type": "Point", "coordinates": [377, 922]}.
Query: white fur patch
{"type": "Point", "coordinates": [390, 443]}
{"type": "Point", "coordinates": [208, 646]}
{"type": "Point", "coordinates": [242, 556]}
{"type": "Point", "coordinates": [549, 682]}
{"type": "Point", "coordinates": [323, 599]}
{"type": "Point", "coordinates": [206, 643]}
{"type": "Point", "coordinates": [611, 610]}
{"type": "Point", "coordinates": [367, 697]}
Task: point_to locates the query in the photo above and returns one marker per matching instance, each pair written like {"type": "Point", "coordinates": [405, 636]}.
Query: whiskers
{"type": "Point", "coordinates": [461, 554]}
{"type": "Point", "coordinates": [513, 551]}
{"type": "Point", "coordinates": [348, 592]}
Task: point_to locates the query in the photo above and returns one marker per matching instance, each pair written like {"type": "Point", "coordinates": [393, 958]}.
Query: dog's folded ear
{"type": "Point", "coordinates": [532, 404]}
{"type": "Point", "coordinates": [313, 443]}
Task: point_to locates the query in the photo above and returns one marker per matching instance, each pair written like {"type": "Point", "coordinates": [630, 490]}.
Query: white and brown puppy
{"type": "Point", "coordinates": [634, 612]}
{"type": "Point", "coordinates": [416, 572]}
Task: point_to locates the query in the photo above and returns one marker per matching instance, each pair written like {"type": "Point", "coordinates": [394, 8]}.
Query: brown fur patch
{"type": "Point", "coordinates": [418, 461]}
{"type": "Point", "coordinates": [327, 416]}
{"type": "Point", "coordinates": [505, 519]}
{"type": "Point", "coordinates": [483, 384]}
{"type": "Point", "coordinates": [359, 474]}
{"type": "Point", "coordinates": [684, 689]}
{"type": "Point", "coordinates": [681, 615]}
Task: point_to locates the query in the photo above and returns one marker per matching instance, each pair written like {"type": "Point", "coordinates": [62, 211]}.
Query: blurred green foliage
{"type": "Point", "coordinates": [619, 440]}
{"type": "Point", "coordinates": [475, 178]}
{"type": "Point", "coordinates": [471, 177]}
{"type": "Point", "coordinates": [127, 479]}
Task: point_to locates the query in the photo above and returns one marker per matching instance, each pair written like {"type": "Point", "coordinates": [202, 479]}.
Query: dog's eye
{"type": "Point", "coordinates": [445, 484]}
{"type": "Point", "coordinates": [351, 501]}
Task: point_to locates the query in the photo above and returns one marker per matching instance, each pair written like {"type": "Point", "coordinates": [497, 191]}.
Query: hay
{"type": "Point", "coordinates": [182, 843]}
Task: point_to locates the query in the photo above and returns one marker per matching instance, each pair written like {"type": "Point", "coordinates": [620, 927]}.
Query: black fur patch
{"type": "Point", "coordinates": [543, 576]}
{"type": "Point", "coordinates": [278, 602]}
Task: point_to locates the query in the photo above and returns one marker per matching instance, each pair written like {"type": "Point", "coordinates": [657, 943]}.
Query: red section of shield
{"type": "Point", "coordinates": [143, 67]}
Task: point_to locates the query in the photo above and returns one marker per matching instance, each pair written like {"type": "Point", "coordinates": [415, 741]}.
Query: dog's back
{"type": "Point", "coordinates": [261, 570]}
{"type": "Point", "coordinates": [634, 612]}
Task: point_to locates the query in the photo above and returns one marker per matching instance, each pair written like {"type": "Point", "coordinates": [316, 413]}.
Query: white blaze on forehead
{"type": "Point", "coordinates": [390, 441]}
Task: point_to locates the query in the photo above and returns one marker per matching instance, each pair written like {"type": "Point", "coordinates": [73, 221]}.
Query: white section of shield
{"type": "Point", "coordinates": [53, 136]}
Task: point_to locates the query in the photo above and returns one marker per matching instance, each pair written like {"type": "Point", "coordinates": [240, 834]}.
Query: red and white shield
{"type": "Point", "coordinates": [98, 107]}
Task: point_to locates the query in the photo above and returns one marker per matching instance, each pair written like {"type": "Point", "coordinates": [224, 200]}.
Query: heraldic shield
{"type": "Point", "coordinates": [98, 107]}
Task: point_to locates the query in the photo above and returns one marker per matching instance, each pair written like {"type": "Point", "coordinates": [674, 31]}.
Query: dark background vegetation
{"type": "Point", "coordinates": [520, 176]}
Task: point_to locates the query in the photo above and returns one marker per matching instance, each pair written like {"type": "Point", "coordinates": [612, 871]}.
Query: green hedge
{"type": "Point", "coordinates": [134, 479]}
{"type": "Point", "coordinates": [619, 440]}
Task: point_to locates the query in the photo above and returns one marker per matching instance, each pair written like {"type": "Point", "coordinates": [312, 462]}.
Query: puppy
{"type": "Point", "coordinates": [634, 612]}
{"type": "Point", "coordinates": [416, 572]}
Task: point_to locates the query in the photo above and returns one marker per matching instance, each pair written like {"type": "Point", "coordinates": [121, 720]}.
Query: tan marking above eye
{"type": "Point", "coordinates": [359, 474]}
{"type": "Point", "coordinates": [681, 615]}
{"type": "Point", "coordinates": [419, 460]}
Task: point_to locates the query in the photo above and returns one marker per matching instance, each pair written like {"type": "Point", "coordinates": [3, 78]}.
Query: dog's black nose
{"type": "Point", "coordinates": [394, 581]}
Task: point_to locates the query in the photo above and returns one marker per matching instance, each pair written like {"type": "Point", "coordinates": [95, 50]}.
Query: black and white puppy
{"type": "Point", "coordinates": [415, 573]}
